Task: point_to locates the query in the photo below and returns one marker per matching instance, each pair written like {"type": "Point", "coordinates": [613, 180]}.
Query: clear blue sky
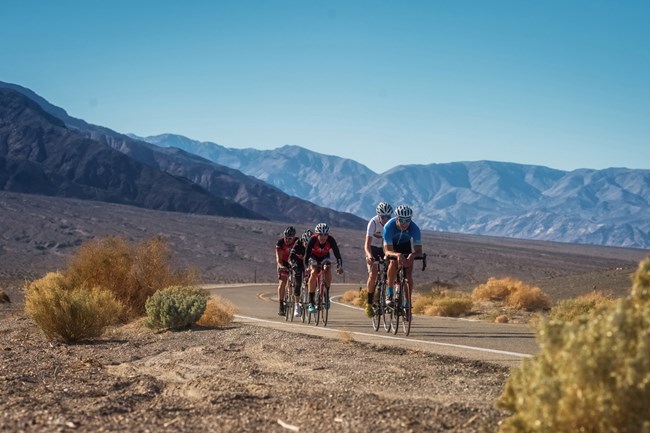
{"type": "Point", "coordinates": [564, 84]}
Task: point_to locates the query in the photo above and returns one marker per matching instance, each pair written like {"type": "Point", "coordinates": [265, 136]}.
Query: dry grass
{"type": "Point", "coordinates": [513, 293]}
{"type": "Point", "coordinates": [70, 314]}
{"type": "Point", "coordinates": [132, 272]}
{"type": "Point", "coordinates": [356, 297]}
{"type": "Point", "coordinates": [446, 303]}
{"type": "Point", "coordinates": [345, 336]}
{"type": "Point", "coordinates": [570, 309]}
{"type": "Point", "coordinates": [4, 297]}
{"type": "Point", "coordinates": [218, 312]}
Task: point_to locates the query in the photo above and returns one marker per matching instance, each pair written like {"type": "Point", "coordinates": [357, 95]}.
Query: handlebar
{"type": "Point", "coordinates": [423, 257]}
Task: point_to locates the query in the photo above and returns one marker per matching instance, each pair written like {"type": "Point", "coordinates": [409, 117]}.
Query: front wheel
{"type": "Point", "coordinates": [408, 313]}
{"type": "Point", "coordinates": [326, 305]}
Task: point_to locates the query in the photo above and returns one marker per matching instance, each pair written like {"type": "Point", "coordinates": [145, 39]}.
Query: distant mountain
{"type": "Point", "coordinates": [605, 207]}
{"type": "Point", "coordinates": [223, 182]}
{"type": "Point", "coordinates": [40, 155]}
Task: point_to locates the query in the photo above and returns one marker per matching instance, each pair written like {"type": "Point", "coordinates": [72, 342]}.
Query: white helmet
{"type": "Point", "coordinates": [322, 229]}
{"type": "Point", "coordinates": [404, 211]}
{"type": "Point", "coordinates": [384, 209]}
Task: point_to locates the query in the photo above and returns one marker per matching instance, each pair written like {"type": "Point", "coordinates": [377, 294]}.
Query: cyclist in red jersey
{"type": "Point", "coordinates": [317, 253]}
{"type": "Point", "coordinates": [282, 250]}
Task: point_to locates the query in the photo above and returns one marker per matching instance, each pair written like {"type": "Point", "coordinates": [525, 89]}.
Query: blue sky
{"type": "Point", "coordinates": [565, 84]}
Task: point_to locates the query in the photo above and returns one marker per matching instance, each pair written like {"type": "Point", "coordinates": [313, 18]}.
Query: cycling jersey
{"type": "Point", "coordinates": [374, 231]}
{"type": "Point", "coordinates": [397, 238]}
{"type": "Point", "coordinates": [285, 248]}
{"type": "Point", "coordinates": [321, 251]}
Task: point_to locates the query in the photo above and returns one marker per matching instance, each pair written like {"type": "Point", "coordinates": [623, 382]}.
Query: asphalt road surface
{"type": "Point", "coordinates": [505, 344]}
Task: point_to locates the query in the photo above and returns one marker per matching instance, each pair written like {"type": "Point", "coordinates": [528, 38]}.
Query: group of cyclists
{"type": "Point", "coordinates": [387, 236]}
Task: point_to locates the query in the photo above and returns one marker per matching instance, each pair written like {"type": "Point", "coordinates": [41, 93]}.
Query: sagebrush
{"type": "Point", "coordinates": [175, 307]}
{"type": "Point", "coordinates": [446, 303]}
{"type": "Point", "coordinates": [70, 313]}
{"type": "Point", "coordinates": [592, 373]}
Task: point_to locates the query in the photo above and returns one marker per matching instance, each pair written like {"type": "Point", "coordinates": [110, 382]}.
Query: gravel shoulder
{"type": "Point", "coordinates": [236, 378]}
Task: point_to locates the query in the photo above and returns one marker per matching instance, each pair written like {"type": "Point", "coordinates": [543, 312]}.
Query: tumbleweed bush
{"type": "Point", "coordinates": [69, 313]}
{"type": "Point", "coordinates": [218, 312]}
{"type": "Point", "coordinates": [567, 310]}
{"type": "Point", "coordinates": [175, 307]}
{"type": "Point", "coordinates": [132, 272]}
{"type": "Point", "coordinates": [513, 293]}
{"type": "Point", "coordinates": [446, 303]}
{"type": "Point", "coordinates": [592, 373]}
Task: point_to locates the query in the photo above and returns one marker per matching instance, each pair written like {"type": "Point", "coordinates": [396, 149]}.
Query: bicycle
{"type": "Point", "coordinates": [304, 296]}
{"type": "Point", "coordinates": [402, 304]}
{"type": "Point", "coordinates": [322, 297]}
{"type": "Point", "coordinates": [378, 306]}
{"type": "Point", "coordinates": [289, 301]}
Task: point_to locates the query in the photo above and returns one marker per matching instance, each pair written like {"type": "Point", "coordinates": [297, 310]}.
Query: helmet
{"type": "Point", "coordinates": [404, 211]}
{"type": "Point", "coordinates": [289, 232]}
{"type": "Point", "coordinates": [384, 209]}
{"type": "Point", "coordinates": [322, 229]}
{"type": "Point", "coordinates": [305, 236]}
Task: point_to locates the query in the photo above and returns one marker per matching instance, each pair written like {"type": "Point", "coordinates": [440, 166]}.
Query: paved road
{"type": "Point", "coordinates": [504, 344]}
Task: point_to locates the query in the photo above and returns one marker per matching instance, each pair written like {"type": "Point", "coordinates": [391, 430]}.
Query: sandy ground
{"type": "Point", "coordinates": [232, 379]}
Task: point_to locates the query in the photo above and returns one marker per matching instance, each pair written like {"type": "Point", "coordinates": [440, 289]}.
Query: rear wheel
{"type": "Point", "coordinates": [326, 304]}
{"type": "Point", "coordinates": [377, 307]}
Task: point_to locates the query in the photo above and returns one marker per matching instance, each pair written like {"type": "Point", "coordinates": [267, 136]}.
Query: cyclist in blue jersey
{"type": "Point", "coordinates": [403, 241]}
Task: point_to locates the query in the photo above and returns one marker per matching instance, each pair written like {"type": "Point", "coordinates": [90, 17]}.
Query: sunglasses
{"type": "Point", "coordinates": [404, 220]}
{"type": "Point", "coordinates": [384, 217]}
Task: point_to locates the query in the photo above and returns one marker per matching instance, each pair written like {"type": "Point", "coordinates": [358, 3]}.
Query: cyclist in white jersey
{"type": "Point", "coordinates": [374, 249]}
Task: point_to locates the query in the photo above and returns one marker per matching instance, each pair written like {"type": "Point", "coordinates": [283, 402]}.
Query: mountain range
{"type": "Point", "coordinates": [43, 150]}
{"type": "Point", "coordinates": [216, 189]}
{"type": "Point", "coordinates": [604, 207]}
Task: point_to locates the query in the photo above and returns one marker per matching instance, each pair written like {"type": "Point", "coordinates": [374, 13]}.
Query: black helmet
{"type": "Point", "coordinates": [289, 232]}
{"type": "Point", "coordinates": [305, 236]}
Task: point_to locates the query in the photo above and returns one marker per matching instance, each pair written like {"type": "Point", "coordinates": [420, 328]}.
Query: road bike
{"type": "Point", "coordinates": [378, 308]}
{"type": "Point", "coordinates": [304, 296]}
{"type": "Point", "coordinates": [402, 304]}
{"type": "Point", "coordinates": [289, 300]}
{"type": "Point", "coordinates": [322, 297]}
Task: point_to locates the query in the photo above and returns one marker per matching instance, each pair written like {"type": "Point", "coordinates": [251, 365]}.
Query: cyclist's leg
{"type": "Point", "coordinates": [296, 291]}
{"type": "Point", "coordinates": [313, 276]}
{"type": "Point", "coordinates": [282, 282]}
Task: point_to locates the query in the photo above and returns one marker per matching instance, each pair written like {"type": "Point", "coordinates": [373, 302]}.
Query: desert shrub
{"type": "Point", "coordinates": [132, 272]}
{"type": "Point", "coordinates": [356, 297]}
{"type": "Point", "coordinates": [446, 303]}
{"type": "Point", "coordinates": [175, 307]}
{"type": "Point", "coordinates": [218, 312]}
{"type": "Point", "coordinates": [592, 373]}
{"type": "Point", "coordinates": [69, 313]}
{"type": "Point", "coordinates": [513, 293]}
{"type": "Point", "coordinates": [569, 309]}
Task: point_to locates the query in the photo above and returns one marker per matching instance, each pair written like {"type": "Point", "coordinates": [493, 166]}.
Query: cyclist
{"type": "Point", "coordinates": [403, 241]}
{"type": "Point", "coordinates": [317, 253]}
{"type": "Point", "coordinates": [374, 250]}
{"type": "Point", "coordinates": [296, 259]}
{"type": "Point", "coordinates": [282, 249]}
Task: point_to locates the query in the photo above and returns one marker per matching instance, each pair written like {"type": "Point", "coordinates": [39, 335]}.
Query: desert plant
{"type": "Point", "coordinates": [513, 293]}
{"type": "Point", "coordinates": [570, 309]}
{"type": "Point", "coordinates": [132, 272]}
{"type": "Point", "coordinates": [592, 373]}
{"type": "Point", "coordinates": [446, 303]}
{"type": "Point", "coordinates": [356, 297]}
{"type": "Point", "coordinates": [69, 313]}
{"type": "Point", "coordinates": [218, 312]}
{"type": "Point", "coordinates": [175, 307]}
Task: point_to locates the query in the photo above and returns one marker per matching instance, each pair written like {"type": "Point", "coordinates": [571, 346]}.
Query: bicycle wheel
{"type": "Point", "coordinates": [408, 312]}
{"type": "Point", "coordinates": [304, 301]}
{"type": "Point", "coordinates": [377, 307]}
{"type": "Point", "coordinates": [326, 305]}
{"type": "Point", "coordinates": [318, 299]}
{"type": "Point", "coordinates": [396, 310]}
